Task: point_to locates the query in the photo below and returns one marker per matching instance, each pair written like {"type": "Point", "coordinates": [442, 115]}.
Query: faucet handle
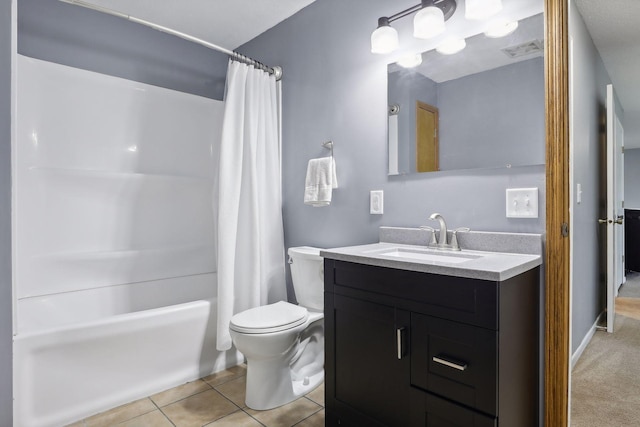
{"type": "Point", "coordinates": [454, 238]}
{"type": "Point", "coordinates": [432, 240]}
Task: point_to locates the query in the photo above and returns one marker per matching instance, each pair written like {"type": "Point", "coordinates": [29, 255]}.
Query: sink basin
{"type": "Point", "coordinates": [429, 256]}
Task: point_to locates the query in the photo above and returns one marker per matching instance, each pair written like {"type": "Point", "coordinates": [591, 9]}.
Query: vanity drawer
{"type": "Point", "coordinates": [461, 299]}
{"type": "Point", "coordinates": [431, 411]}
{"type": "Point", "coordinates": [455, 360]}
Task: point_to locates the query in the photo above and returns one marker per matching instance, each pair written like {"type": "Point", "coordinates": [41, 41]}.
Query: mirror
{"type": "Point", "coordinates": [480, 108]}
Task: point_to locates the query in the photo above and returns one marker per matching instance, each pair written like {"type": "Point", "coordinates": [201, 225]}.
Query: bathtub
{"type": "Point", "coordinates": [80, 353]}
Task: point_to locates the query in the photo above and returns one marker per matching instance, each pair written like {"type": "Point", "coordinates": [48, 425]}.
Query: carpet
{"type": "Point", "coordinates": [631, 288]}
{"type": "Point", "coordinates": [606, 379]}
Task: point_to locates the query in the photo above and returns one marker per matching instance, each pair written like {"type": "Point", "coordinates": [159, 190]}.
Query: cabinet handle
{"type": "Point", "coordinates": [400, 342]}
{"type": "Point", "coordinates": [461, 366]}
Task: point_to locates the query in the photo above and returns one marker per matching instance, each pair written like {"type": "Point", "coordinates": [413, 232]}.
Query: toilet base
{"type": "Point", "coordinates": [270, 385]}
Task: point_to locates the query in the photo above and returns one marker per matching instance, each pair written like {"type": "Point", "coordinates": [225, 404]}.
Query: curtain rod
{"type": "Point", "coordinates": [276, 71]}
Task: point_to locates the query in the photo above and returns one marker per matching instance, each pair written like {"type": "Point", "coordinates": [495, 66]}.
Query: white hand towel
{"type": "Point", "coordinates": [320, 181]}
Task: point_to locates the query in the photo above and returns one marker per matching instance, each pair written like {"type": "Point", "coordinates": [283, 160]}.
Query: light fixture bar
{"type": "Point", "coordinates": [427, 24]}
{"type": "Point", "coordinates": [448, 7]}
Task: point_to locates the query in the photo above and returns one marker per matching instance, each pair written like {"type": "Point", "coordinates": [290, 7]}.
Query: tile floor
{"type": "Point", "coordinates": [213, 401]}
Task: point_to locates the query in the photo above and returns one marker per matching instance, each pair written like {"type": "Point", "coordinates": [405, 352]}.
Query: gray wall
{"type": "Point", "coordinates": [335, 88]}
{"type": "Point", "coordinates": [6, 333]}
{"type": "Point", "coordinates": [589, 101]}
{"type": "Point", "coordinates": [493, 118]}
{"type": "Point", "coordinates": [632, 178]}
{"type": "Point", "coordinates": [78, 37]}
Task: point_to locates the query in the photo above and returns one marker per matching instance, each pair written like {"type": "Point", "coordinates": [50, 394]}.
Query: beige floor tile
{"type": "Point", "coordinates": [177, 393]}
{"type": "Point", "coordinates": [317, 395]}
{"type": "Point", "coordinates": [199, 409]}
{"type": "Point", "coordinates": [234, 390]}
{"type": "Point", "coordinates": [152, 419]}
{"type": "Point", "coordinates": [226, 375]}
{"type": "Point", "coordinates": [237, 419]}
{"type": "Point", "coordinates": [78, 424]}
{"type": "Point", "coordinates": [315, 420]}
{"type": "Point", "coordinates": [287, 415]}
{"type": "Point", "coordinates": [121, 413]}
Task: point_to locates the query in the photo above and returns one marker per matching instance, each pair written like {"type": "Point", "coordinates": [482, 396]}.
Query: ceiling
{"type": "Point", "coordinates": [614, 26]}
{"type": "Point", "coordinates": [226, 23]}
{"type": "Point", "coordinates": [615, 30]}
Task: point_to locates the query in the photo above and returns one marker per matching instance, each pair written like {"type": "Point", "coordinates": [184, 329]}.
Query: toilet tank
{"type": "Point", "coordinates": [307, 274]}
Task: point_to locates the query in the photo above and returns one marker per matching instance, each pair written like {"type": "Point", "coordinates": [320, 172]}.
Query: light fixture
{"type": "Point", "coordinates": [410, 61]}
{"type": "Point", "coordinates": [501, 29]}
{"type": "Point", "coordinates": [481, 9]}
{"type": "Point", "coordinates": [385, 38]}
{"type": "Point", "coordinates": [451, 46]}
{"type": "Point", "coordinates": [428, 22]}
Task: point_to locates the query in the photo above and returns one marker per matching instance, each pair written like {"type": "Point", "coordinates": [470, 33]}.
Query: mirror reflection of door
{"type": "Point", "coordinates": [426, 137]}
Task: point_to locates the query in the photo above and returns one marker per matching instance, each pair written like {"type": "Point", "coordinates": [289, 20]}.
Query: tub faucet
{"type": "Point", "coordinates": [442, 238]}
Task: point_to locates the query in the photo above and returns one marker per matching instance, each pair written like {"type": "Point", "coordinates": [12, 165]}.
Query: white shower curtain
{"type": "Point", "coordinates": [250, 244]}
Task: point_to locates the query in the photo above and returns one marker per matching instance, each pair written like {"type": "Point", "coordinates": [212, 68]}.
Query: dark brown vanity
{"type": "Point", "coordinates": [413, 348]}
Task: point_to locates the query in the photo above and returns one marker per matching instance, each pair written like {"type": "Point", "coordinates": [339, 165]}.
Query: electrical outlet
{"type": "Point", "coordinates": [522, 203]}
{"type": "Point", "coordinates": [376, 202]}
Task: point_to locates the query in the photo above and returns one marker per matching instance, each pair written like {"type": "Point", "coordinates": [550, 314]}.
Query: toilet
{"type": "Point", "coordinates": [283, 342]}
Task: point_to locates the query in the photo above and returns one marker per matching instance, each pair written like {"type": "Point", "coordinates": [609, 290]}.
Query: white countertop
{"type": "Point", "coordinates": [485, 265]}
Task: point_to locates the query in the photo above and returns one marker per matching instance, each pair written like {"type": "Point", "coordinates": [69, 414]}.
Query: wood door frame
{"type": "Point", "coordinates": [557, 256]}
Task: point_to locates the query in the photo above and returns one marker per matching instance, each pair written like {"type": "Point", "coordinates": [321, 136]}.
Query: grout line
{"type": "Point", "coordinates": [254, 418]}
{"type": "Point", "coordinates": [311, 415]}
{"type": "Point", "coordinates": [222, 394]}
{"type": "Point", "coordinates": [306, 396]}
{"type": "Point", "coordinates": [224, 382]}
{"type": "Point", "coordinates": [167, 417]}
{"type": "Point", "coordinates": [162, 412]}
{"type": "Point", "coordinates": [154, 403]}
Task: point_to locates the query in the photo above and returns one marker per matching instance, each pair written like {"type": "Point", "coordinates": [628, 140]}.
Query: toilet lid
{"type": "Point", "coordinates": [269, 318]}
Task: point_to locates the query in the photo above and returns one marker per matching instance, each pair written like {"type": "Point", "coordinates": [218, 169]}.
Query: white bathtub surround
{"type": "Point", "coordinates": [250, 231]}
{"type": "Point", "coordinates": [114, 242]}
{"type": "Point", "coordinates": [113, 181]}
{"type": "Point", "coordinates": [69, 372]}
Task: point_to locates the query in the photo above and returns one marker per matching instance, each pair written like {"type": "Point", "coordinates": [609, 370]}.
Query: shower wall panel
{"type": "Point", "coordinates": [113, 180]}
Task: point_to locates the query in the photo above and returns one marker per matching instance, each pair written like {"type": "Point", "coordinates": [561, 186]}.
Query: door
{"type": "Point", "coordinates": [613, 219]}
{"type": "Point", "coordinates": [426, 138]}
{"type": "Point", "coordinates": [619, 256]}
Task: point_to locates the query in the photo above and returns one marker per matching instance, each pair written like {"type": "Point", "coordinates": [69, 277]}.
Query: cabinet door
{"type": "Point", "coordinates": [371, 378]}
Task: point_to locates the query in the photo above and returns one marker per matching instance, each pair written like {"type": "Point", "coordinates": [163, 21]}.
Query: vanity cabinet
{"type": "Point", "coordinates": [405, 348]}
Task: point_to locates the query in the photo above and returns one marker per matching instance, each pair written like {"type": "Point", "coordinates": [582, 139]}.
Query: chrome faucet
{"type": "Point", "coordinates": [442, 239]}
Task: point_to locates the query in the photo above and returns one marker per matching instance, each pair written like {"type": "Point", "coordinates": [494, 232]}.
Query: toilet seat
{"type": "Point", "coordinates": [270, 318]}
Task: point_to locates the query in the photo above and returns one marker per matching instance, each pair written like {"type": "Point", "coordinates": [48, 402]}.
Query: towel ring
{"type": "Point", "coordinates": [328, 145]}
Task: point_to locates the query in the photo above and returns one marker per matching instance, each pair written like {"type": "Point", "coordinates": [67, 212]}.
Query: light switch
{"type": "Point", "coordinates": [522, 203]}
{"type": "Point", "coordinates": [578, 193]}
{"type": "Point", "coordinates": [376, 202]}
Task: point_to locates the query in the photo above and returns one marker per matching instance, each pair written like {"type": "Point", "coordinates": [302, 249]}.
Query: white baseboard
{"type": "Point", "coordinates": [585, 341]}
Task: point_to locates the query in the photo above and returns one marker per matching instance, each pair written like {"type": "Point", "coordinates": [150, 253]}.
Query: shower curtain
{"type": "Point", "coordinates": [250, 242]}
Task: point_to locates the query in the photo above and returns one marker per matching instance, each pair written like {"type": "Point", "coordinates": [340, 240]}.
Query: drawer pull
{"type": "Point", "coordinates": [400, 342]}
{"type": "Point", "coordinates": [461, 366]}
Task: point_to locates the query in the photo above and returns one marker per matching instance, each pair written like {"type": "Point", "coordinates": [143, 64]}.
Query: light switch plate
{"type": "Point", "coordinates": [376, 202]}
{"type": "Point", "coordinates": [522, 203]}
